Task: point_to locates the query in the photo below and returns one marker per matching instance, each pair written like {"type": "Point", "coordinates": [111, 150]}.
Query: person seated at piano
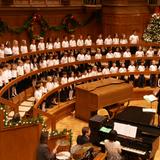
{"type": "Point", "coordinates": [85, 137]}
{"type": "Point", "coordinates": [113, 146]}
{"type": "Point", "coordinates": [157, 94]}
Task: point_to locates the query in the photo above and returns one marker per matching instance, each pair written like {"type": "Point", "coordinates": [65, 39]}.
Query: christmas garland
{"type": "Point", "coordinates": [21, 122]}
{"type": "Point", "coordinates": [69, 24]}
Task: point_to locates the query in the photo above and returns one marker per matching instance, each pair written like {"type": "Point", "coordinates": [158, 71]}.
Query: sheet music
{"type": "Point", "coordinates": [125, 129]}
{"type": "Point", "coordinates": [149, 110]}
{"type": "Point", "coordinates": [150, 98]}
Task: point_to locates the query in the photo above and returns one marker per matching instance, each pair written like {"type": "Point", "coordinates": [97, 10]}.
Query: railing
{"type": "Point", "coordinates": [92, 2]}
{"type": "Point", "coordinates": [45, 96]}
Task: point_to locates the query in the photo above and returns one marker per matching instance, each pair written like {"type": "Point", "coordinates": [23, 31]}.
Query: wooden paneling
{"type": "Point", "coordinates": [124, 16]}
{"type": "Point", "coordinates": [19, 143]}
{"type": "Point", "coordinates": [53, 16]}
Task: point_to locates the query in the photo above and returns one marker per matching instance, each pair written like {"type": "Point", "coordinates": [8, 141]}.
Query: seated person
{"type": "Point", "coordinates": [84, 138]}
{"type": "Point", "coordinates": [113, 147]}
{"type": "Point", "coordinates": [43, 152]}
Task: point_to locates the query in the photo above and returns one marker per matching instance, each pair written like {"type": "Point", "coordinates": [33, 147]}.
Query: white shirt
{"type": "Point", "coordinates": [7, 51]}
{"type": "Point", "coordinates": [80, 42]}
{"type": "Point", "coordinates": [150, 53]}
{"type": "Point", "coordinates": [20, 70]}
{"type": "Point", "coordinates": [50, 62]}
{"type": "Point", "coordinates": [139, 54]}
{"type": "Point", "coordinates": [49, 86]}
{"type": "Point", "coordinates": [115, 41]}
{"type": "Point", "coordinates": [87, 57]}
{"type": "Point", "coordinates": [72, 43]}
{"type": "Point", "coordinates": [55, 84]}
{"type": "Point", "coordinates": [98, 56]}
{"type": "Point", "coordinates": [43, 64]}
{"type": "Point", "coordinates": [153, 68]}
{"type": "Point", "coordinates": [80, 57]}
{"type": "Point", "coordinates": [71, 79]}
{"type": "Point", "coordinates": [1, 80]}
{"type": "Point", "coordinates": [134, 39]}
{"type": "Point", "coordinates": [55, 61]}
{"type": "Point", "coordinates": [109, 55]}
{"type": "Point", "coordinates": [123, 41]}
{"type": "Point", "coordinates": [64, 60]}
{"type": "Point", "coordinates": [27, 67]}
{"type": "Point", "coordinates": [114, 69]}
{"type": "Point", "coordinates": [131, 68]}
{"type": "Point", "coordinates": [108, 41]}
{"type": "Point", "coordinates": [37, 95]}
{"type": "Point", "coordinates": [65, 44]}
{"type": "Point", "coordinates": [122, 70]}
{"type": "Point", "coordinates": [1, 53]}
{"type": "Point", "coordinates": [5, 76]}
{"type": "Point", "coordinates": [64, 80]}
{"type": "Point", "coordinates": [33, 47]}
{"type": "Point", "coordinates": [71, 59]}
{"type": "Point", "coordinates": [15, 50]}
{"type": "Point", "coordinates": [127, 54]}
{"type": "Point", "coordinates": [113, 150]}
{"type": "Point", "coordinates": [24, 49]}
{"type": "Point", "coordinates": [9, 74]}
{"type": "Point", "coordinates": [105, 71]}
{"type": "Point", "coordinates": [99, 41]}
{"type": "Point", "coordinates": [41, 46]}
{"type": "Point", "coordinates": [49, 45]}
{"type": "Point", "coordinates": [141, 68]}
{"type": "Point", "coordinates": [117, 54]}
{"type": "Point", "coordinates": [57, 45]}
{"type": "Point", "coordinates": [88, 42]}
{"type": "Point", "coordinates": [14, 73]}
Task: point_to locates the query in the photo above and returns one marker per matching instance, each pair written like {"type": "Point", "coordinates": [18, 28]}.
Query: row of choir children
{"type": "Point", "coordinates": [52, 82]}
{"type": "Point", "coordinates": [8, 50]}
{"type": "Point", "coordinates": [12, 71]}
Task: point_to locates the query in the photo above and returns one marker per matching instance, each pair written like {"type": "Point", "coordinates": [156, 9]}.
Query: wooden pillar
{"type": "Point", "coordinates": [124, 16]}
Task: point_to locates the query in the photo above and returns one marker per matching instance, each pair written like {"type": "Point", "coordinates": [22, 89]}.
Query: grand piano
{"type": "Point", "coordinates": [146, 142]}
{"type": "Point", "coordinates": [93, 96]}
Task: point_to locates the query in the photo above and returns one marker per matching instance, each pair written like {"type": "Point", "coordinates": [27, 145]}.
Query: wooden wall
{"type": "Point", "coordinates": [20, 143]}
{"type": "Point", "coordinates": [124, 16]}
{"type": "Point", "coordinates": [15, 17]}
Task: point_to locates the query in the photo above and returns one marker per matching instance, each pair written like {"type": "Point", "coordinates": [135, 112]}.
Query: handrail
{"type": "Point", "coordinates": [9, 103]}
{"type": "Point", "coordinates": [91, 78]}
{"type": "Point", "coordinates": [37, 111]}
{"type": "Point", "coordinates": [93, 60]}
{"type": "Point", "coordinates": [77, 48]}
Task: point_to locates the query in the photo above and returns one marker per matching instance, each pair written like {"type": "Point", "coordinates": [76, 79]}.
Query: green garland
{"type": "Point", "coordinates": [29, 121]}
{"type": "Point", "coordinates": [69, 24]}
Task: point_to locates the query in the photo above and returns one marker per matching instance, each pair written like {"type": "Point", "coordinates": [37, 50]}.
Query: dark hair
{"type": "Point", "coordinates": [112, 135]}
{"type": "Point", "coordinates": [85, 130]}
{"type": "Point", "coordinates": [44, 137]}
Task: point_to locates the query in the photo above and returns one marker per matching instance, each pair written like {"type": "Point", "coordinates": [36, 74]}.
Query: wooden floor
{"type": "Point", "coordinates": [76, 125]}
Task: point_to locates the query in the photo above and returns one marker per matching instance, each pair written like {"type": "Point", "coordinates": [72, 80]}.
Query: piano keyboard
{"type": "Point", "coordinates": [132, 150]}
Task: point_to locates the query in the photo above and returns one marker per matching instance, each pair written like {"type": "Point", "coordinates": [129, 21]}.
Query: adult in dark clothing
{"type": "Point", "coordinates": [84, 138]}
{"type": "Point", "coordinates": [157, 94]}
{"type": "Point", "coordinates": [43, 152]}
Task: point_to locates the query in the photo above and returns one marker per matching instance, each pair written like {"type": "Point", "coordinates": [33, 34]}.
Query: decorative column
{"type": "Point", "coordinates": [124, 16]}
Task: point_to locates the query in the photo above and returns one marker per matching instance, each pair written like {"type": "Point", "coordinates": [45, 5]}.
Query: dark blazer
{"type": "Point", "coordinates": [43, 153]}
{"type": "Point", "coordinates": [81, 139]}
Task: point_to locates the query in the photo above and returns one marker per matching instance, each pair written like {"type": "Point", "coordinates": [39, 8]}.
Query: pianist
{"type": "Point", "coordinates": [113, 147]}
{"type": "Point", "coordinates": [156, 92]}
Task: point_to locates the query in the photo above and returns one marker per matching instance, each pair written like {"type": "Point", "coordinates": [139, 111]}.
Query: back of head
{"type": "Point", "coordinates": [112, 135]}
{"type": "Point", "coordinates": [44, 137]}
{"type": "Point", "coordinates": [85, 130]}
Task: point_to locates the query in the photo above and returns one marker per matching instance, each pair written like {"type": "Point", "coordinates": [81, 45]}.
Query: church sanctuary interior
{"type": "Point", "coordinates": [79, 79]}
